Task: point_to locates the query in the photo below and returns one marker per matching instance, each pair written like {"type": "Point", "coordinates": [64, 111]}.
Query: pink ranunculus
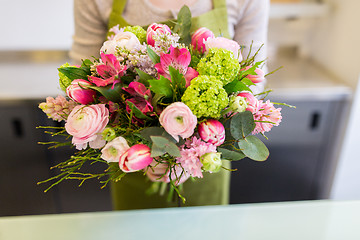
{"type": "Point", "coordinates": [178, 120]}
{"type": "Point", "coordinates": [212, 131]}
{"type": "Point", "coordinates": [85, 123]}
{"type": "Point", "coordinates": [221, 42]}
{"type": "Point", "coordinates": [253, 102]}
{"type": "Point", "coordinates": [259, 77]}
{"type": "Point", "coordinates": [126, 40]}
{"type": "Point", "coordinates": [77, 91]}
{"type": "Point", "coordinates": [135, 158]}
{"type": "Point", "coordinates": [178, 59]}
{"type": "Point", "coordinates": [155, 29]}
{"type": "Point", "coordinates": [110, 71]}
{"type": "Point", "coordinates": [198, 38]}
{"type": "Point", "coordinates": [114, 149]}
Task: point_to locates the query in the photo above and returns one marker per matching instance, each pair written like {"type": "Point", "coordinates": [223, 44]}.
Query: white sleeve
{"type": "Point", "coordinates": [252, 27]}
{"type": "Point", "coordinates": [90, 30]}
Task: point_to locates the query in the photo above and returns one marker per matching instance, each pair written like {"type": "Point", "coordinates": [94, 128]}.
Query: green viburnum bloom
{"type": "Point", "coordinates": [206, 97]}
{"type": "Point", "coordinates": [220, 63]}
{"type": "Point", "coordinates": [139, 32]}
{"type": "Point", "coordinates": [108, 134]}
{"type": "Point", "coordinates": [64, 81]}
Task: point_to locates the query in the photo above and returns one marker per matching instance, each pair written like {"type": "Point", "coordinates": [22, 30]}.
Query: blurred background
{"type": "Point", "coordinates": [313, 153]}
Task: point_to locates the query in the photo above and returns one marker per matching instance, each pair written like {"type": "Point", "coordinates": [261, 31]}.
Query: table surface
{"type": "Point", "coordinates": [318, 220]}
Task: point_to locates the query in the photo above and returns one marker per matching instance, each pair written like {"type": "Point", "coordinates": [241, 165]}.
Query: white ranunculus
{"type": "Point", "coordinates": [114, 149]}
{"type": "Point", "coordinates": [126, 40]}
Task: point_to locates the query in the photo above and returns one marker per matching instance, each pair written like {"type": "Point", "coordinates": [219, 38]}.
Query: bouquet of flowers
{"type": "Point", "coordinates": [161, 98]}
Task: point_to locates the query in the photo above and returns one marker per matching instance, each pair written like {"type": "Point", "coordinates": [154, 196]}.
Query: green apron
{"type": "Point", "coordinates": [213, 189]}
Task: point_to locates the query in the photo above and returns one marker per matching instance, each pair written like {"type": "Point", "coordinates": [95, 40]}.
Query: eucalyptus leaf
{"type": "Point", "coordinates": [183, 25]}
{"type": "Point", "coordinates": [242, 124]}
{"type": "Point", "coordinates": [157, 151]}
{"type": "Point", "coordinates": [153, 56]}
{"type": "Point", "coordinates": [161, 86]}
{"type": "Point", "coordinates": [109, 92]}
{"type": "Point", "coordinates": [231, 155]}
{"type": "Point", "coordinates": [254, 148]}
{"type": "Point", "coordinates": [74, 73]}
{"type": "Point", "coordinates": [151, 131]}
{"type": "Point", "coordinates": [165, 144]}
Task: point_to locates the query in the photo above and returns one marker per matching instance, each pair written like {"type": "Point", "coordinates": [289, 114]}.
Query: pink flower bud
{"type": "Point", "coordinates": [212, 131]}
{"type": "Point", "coordinates": [198, 38]}
{"type": "Point", "coordinates": [252, 102]}
{"type": "Point", "coordinates": [135, 158]}
{"type": "Point", "coordinates": [154, 29]}
{"type": "Point", "coordinates": [221, 42]}
{"type": "Point", "coordinates": [77, 92]}
{"type": "Point", "coordinates": [259, 77]}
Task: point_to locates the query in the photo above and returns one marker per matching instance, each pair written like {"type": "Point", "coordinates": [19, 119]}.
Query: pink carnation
{"type": "Point", "coordinates": [85, 123]}
{"type": "Point", "coordinates": [268, 115]}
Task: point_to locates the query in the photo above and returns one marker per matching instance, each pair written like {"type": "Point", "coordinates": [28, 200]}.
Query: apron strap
{"type": "Point", "coordinates": [116, 14]}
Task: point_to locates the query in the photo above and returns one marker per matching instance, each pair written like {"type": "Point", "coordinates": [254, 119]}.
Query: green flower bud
{"type": "Point", "coordinates": [211, 161]}
{"type": "Point", "coordinates": [237, 104]}
{"type": "Point", "coordinates": [108, 134]}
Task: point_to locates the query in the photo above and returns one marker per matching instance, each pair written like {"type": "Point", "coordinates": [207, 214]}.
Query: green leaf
{"type": "Point", "coordinates": [157, 151]}
{"type": "Point", "coordinates": [254, 148]}
{"type": "Point", "coordinates": [242, 124]}
{"type": "Point", "coordinates": [177, 80]}
{"type": "Point", "coordinates": [137, 113]}
{"type": "Point", "coordinates": [161, 86]}
{"type": "Point", "coordinates": [236, 86]}
{"type": "Point", "coordinates": [162, 144]}
{"type": "Point", "coordinates": [247, 82]}
{"type": "Point", "coordinates": [144, 77]}
{"type": "Point", "coordinates": [110, 93]}
{"type": "Point", "coordinates": [74, 73]}
{"type": "Point", "coordinates": [155, 100]}
{"type": "Point", "coordinates": [153, 56]}
{"type": "Point", "coordinates": [183, 25]}
{"type": "Point", "coordinates": [151, 131]}
{"type": "Point", "coordinates": [231, 155]}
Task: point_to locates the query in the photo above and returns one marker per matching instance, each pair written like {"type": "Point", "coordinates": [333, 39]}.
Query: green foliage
{"type": "Point", "coordinates": [161, 86]}
{"type": "Point", "coordinates": [231, 155]}
{"type": "Point", "coordinates": [111, 93]}
{"type": "Point", "coordinates": [241, 125]}
{"type": "Point", "coordinates": [183, 25]}
{"type": "Point", "coordinates": [162, 145]}
{"type": "Point", "coordinates": [236, 86]}
{"type": "Point", "coordinates": [143, 77]}
{"type": "Point", "coordinates": [254, 148]}
{"type": "Point", "coordinates": [153, 56]}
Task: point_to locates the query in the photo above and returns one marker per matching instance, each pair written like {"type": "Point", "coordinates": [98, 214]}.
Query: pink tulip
{"type": "Point", "coordinates": [221, 42]}
{"type": "Point", "coordinates": [178, 59]}
{"type": "Point", "coordinates": [198, 38]}
{"type": "Point", "coordinates": [135, 158]}
{"type": "Point", "coordinates": [85, 124]}
{"type": "Point", "coordinates": [110, 71]}
{"type": "Point", "coordinates": [77, 91]}
{"type": "Point", "coordinates": [178, 120]}
{"type": "Point", "coordinates": [155, 29]}
{"type": "Point", "coordinates": [259, 77]}
{"type": "Point", "coordinates": [212, 131]}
